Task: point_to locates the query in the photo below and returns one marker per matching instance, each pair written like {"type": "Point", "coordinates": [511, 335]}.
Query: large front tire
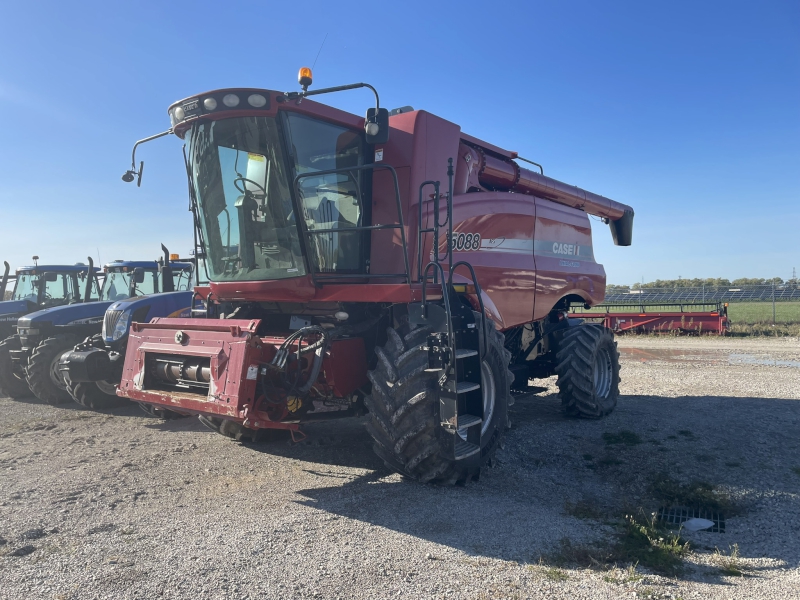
{"type": "Point", "coordinates": [404, 402]}
{"type": "Point", "coordinates": [587, 365]}
{"type": "Point", "coordinates": [90, 395]}
{"type": "Point", "coordinates": [11, 386]}
{"type": "Point", "coordinates": [42, 372]}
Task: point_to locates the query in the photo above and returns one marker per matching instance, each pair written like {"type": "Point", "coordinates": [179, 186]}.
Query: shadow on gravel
{"type": "Point", "coordinates": [520, 510]}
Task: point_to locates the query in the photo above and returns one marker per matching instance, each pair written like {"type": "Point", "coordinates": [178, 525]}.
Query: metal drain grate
{"type": "Point", "coordinates": [678, 514]}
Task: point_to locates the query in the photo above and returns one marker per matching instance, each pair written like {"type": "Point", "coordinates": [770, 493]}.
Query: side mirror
{"type": "Point", "coordinates": [50, 276]}
{"type": "Point", "coordinates": [377, 126]}
{"type": "Point", "coordinates": [138, 275]}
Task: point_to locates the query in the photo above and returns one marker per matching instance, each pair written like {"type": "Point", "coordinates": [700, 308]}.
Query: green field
{"type": "Point", "coordinates": [748, 312]}
{"type": "Point", "coordinates": [761, 312]}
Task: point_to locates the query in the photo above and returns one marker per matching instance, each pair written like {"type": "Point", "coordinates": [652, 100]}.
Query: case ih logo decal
{"type": "Point", "coordinates": [571, 249]}
{"type": "Point", "coordinates": [562, 250]}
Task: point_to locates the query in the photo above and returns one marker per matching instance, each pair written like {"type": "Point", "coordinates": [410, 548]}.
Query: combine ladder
{"type": "Point", "coordinates": [458, 341]}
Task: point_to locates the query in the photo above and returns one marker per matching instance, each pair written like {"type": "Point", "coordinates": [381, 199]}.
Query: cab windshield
{"type": "Point", "coordinates": [241, 175]}
{"type": "Point", "coordinates": [117, 284]}
{"type": "Point", "coordinates": [51, 289]}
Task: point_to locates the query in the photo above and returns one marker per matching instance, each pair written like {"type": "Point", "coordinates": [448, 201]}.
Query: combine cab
{"type": "Point", "coordinates": [389, 265]}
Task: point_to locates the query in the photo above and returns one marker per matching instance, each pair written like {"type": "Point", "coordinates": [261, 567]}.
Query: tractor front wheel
{"type": "Point", "coordinates": [587, 365]}
{"type": "Point", "coordinates": [42, 372]}
{"type": "Point", "coordinates": [11, 385]}
{"type": "Point", "coordinates": [159, 412]}
{"type": "Point", "coordinates": [94, 395]}
{"type": "Point", "coordinates": [240, 433]}
{"type": "Point", "coordinates": [404, 403]}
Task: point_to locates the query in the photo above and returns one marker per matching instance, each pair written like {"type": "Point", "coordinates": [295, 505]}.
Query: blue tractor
{"type": "Point", "coordinates": [93, 369]}
{"type": "Point", "coordinates": [44, 336]}
{"type": "Point", "coordinates": [35, 288]}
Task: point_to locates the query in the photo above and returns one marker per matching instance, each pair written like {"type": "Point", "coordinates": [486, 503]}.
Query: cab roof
{"type": "Point", "coordinates": [145, 264]}
{"type": "Point", "coordinates": [58, 268]}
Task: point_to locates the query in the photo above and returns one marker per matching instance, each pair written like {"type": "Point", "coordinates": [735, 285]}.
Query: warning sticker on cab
{"type": "Point", "coordinates": [252, 372]}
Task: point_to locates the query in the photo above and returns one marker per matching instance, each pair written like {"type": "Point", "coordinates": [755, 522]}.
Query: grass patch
{"type": "Point", "coordinates": [695, 494]}
{"type": "Point", "coordinates": [588, 457]}
{"type": "Point", "coordinates": [554, 574]}
{"type": "Point", "coordinates": [646, 542]}
{"type": "Point", "coordinates": [796, 470]}
{"type": "Point", "coordinates": [733, 464]}
{"type": "Point", "coordinates": [623, 576]}
{"type": "Point", "coordinates": [685, 433]}
{"type": "Point", "coordinates": [625, 437]}
{"type": "Point", "coordinates": [730, 564]}
{"type": "Point", "coordinates": [638, 541]}
{"type": "Point", "coordinates": [609, 461]}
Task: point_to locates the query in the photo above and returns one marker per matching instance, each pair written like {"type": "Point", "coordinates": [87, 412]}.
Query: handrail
{"type": "Point", "coordinates": [434, 230]}
{"type": "Point", "coordinates": [446, 301]}
{"type": "Point", "coordinates": [477, 293]}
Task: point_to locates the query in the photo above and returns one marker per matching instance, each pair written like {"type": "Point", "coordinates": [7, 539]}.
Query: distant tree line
{"type": "Point", "coordinates": [697, 282]}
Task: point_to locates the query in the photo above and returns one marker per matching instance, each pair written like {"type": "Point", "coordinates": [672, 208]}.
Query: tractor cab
{"type": "Point", "coordinates": [131, 279]}
{"type": "Point", "coordinates": [44, 335]}
{"type": "Point", "coordinates": [44, 286]}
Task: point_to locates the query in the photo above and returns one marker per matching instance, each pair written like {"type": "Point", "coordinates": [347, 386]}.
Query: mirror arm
{"type": "Point", "coordinates": [340, 88]}
{"type": "Point", "coordinates": [129, 175]}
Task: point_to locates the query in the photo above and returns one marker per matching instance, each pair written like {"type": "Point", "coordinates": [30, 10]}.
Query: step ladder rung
{"type": "Point", "coordinates": [465, 353]}
{"type": "Point", "coordinates": [468, 421]}
{"type": "Point", "coordinates": [466, 386]}
{"type": "Point", "coordinates": [464, 449]}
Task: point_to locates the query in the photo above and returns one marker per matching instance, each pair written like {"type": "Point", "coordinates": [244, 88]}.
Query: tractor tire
{"type": "Point", "coordinates": [42, 372]}
{"type": "Point", "coordinates": [160, 413]}
{"type": "Point", "coordinates": [404, 401]}
{"type": "Point", "coordinates": [90, 395]}
{"type": "Point", "coordinates": [587, 365]}
{"type": "Point", "coordinates": [11, 386]}
{"type": "Point", "coordinates": [240, 433]}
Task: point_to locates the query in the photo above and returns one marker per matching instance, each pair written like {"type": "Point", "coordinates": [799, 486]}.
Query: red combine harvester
{"type": "Point", "coordinates": [684, 317]}
{"type": "Point", "coordinates": [346, 277]}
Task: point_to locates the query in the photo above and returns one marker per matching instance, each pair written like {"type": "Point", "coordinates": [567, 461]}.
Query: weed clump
{"type": "Point", "coordinates": [730, 564]}
{"type": "Point", "coordinates": [554, 574]}
{"type": "Point", "coordinates": [646, 542]}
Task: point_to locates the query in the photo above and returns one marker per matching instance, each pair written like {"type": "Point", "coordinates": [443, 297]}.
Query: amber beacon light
{"type": "Point", "coordinates": [304, 78]}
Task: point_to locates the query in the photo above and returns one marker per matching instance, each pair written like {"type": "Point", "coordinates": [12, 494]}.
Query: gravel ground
{"type": "Point", "coordinates": [118, 505]}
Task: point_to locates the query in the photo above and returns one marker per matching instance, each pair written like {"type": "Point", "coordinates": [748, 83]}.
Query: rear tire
{"type": "Point", "coordinates": [11, 386]}
{"type": "Point", "coordinates": [240, 433]}
{"type": "Point", "coordinates": [587, 365]}
{"type": "Point", "coordinates": [160, 413]}
{"type": "Point", "coordinates": [89, 395]}
{"type": "Point", "coordinates": [404, 402]}
{"type": "Point", "coordinates": [42, 373]}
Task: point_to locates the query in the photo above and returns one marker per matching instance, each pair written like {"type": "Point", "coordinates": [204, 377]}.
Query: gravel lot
{"type": "Point", "coordinates": [119, 505]}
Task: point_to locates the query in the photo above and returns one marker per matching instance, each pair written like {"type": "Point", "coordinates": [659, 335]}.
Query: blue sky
{"type": "Point", "coordinates": [688, 111]}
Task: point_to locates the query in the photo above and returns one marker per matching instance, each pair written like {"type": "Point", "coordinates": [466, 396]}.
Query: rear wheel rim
{"type": "Point", "coordinates": [602, 373]}
{"type": "Point", "coordinates": [107, 388]}
{"type": "Point", "coordinates": [55, 374]}
{"type": "Point", "coordinates": [489, 390]}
